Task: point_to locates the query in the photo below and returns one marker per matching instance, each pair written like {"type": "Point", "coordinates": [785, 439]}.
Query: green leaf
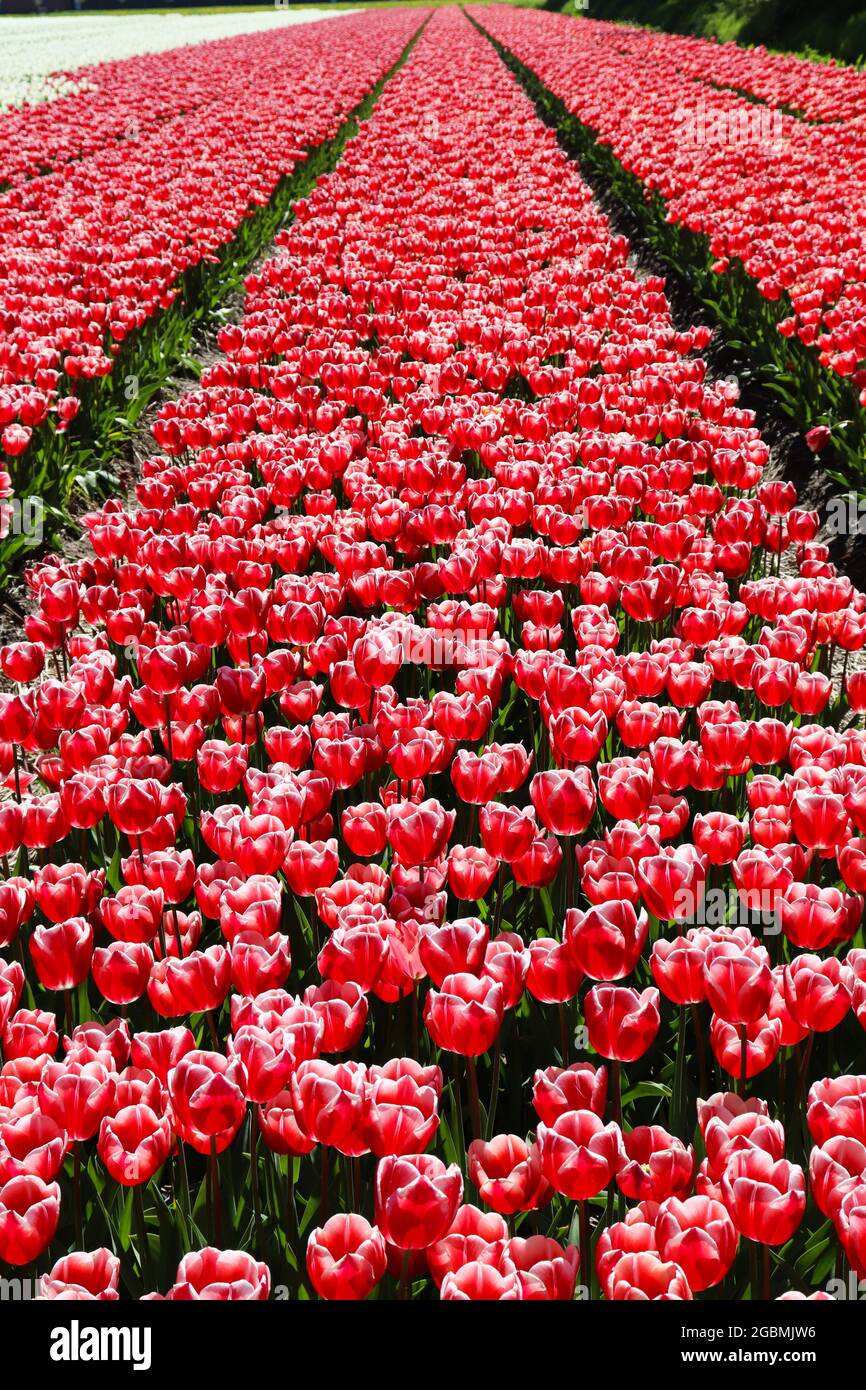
{"type": "Point", "coordinates": [124, 1225]}
{"type": "Point", "coordinates": [644, 1089]}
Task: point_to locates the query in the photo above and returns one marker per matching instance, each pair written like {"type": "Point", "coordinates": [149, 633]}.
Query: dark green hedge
{"type": "Point", "coordinates": [833, 27]}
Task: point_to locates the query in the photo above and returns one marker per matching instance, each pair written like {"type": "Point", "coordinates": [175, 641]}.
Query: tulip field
{"type": "Point", "coordinates": [433, 825]}
{"type": "Point", "coordinates": [750, 170]}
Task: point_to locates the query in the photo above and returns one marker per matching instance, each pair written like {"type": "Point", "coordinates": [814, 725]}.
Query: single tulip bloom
{"type": "Point", "coordinates": [134, 1144]}
{"type": "Point", "coordinates": [817, 992]}
{"type": "Point", "coordinates": [554, 974]}
{"type": "Point", "coordinates": [31, 1144]}
{"type": "Point", "coordinates": [121, 971]}
{"type": "Point", "coordinates": [608, 940]}
{"type": "Point", "coordinates": [29, 1213]}
{"type": "Point", "coordinates": [220, 1275]}
{"type": "Point", "coordinates": [546, 1272]}
{"type": "Point", "coordinates": [739, 986]}
{"type": "Point", "coordinates": [766, 1198]}
{"type": "Point", "coordinates": [657, 1165]}
{"type": "Point", "coordinates": [556, 1090]}
{"type": "Point", "coordinates": [677, 964]}
{"type": "Point", "coordinates": [835, 1167]}
{"type": "Point", "coordinates": [473, 1235]}
{"type": "Point", "coordinates": [478, 1282]}
{"type": "Point", "coordinates": [507, 1173]}
{"type": "Point", "coordinates": [343, 1010]}
{"type": "Point", "coordinates": [580, 1154]}
{"type": "Point", "coordinates": [62, 953]}
{"type": "Point", "coordinates": [622, 1024]}
{"type": "Point", "coordinates": [697, 1234]}
{"type": "Point", "coordinates": [401, 1110]}
{"type": "Point", "coordinates": [564, 800]}
{"type": "Point", "coordinates": [280, 1128]}
{"type": "Point", "coordinates": [647, 1277]}
{"type": "Point", "coordinates": [329, 1102]}
{"type": "Point", "coordinates": [76, 1095]}
{"type": "Point", "coordinates": [83, 1275]}
{"type": "Point", "coordinates": [465, 1015]}
{"type": "Point", "coordinates": [208, 1100]}
{"type": "Point", "coordinates": [837, 1106]}
{"type": "Point", "coordinates": [417, 1198]}
{"type": "Point", "coordinates": [453, 948]}
{"type": "Point", "coordinates": [346, 1258]}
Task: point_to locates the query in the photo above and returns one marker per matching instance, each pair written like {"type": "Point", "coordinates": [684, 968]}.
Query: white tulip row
{"type": "Point", "coordinates": [41, 52]}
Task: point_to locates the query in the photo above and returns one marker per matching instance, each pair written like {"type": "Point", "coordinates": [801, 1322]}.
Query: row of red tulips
{"type": "Point", "coordinates": [781, 196]}
{"type": "Point", "coordinates": [814, 91]}
{"type": "Point", "coordinates": [455, 589]}
{"type": "Point", "coordinates": [126, 98]}
{"type": "Point", "coordinates": [96, 247]}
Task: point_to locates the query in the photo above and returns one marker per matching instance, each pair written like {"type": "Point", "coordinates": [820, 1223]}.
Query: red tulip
{"type": "Point", "coordinates": [226, 1275]}
{"type": "Point", "coordinates": [83, 1275]}
{"type": "Point", "coordinates": [31, 1144]}
{"type": "Point", "coordinates": [134, 1143]}
{"type": "Point", "coordinates": [634, 1236]}
{"type": "Point", "coordinates": [471, 871]}
{"type": "Point", "coordinates": [453, 948]}
{"type": "Point", "coordinates": [763, 1038]}
{"type": "Point", "coordinates": [507, 832]}
{"type": "Point", "coordinates": [766, 1198]}
{"type": "Point", "coordinates": [76, 1096]}
{"type": "Point", "coordinates": [607, 940]}
{"type": "Point", "coordinates": [121, 971]}
{"type": "Point", "coordinates": [657, 1165]}
{"type": "Point", "coordinates": [580, 1154]}
{"type": "Point", "coordinates": [62, 953]}
{"type": "Point", "coordinates": [727, 1133]}
{"type": "Point", "coordinates": [482, 1282]}
{"type": "Point", "coordinates": [850, 1222]}
{"type": "Point", "coordinates": [672, 882]}
{"type": "Point", "coordinates": [507, 1173]}
{"type": "Point", "coordinates": [266, 1058]}
{"type": "Point", "coordinates": [817, 992]}
{"type": "Point", "coordinates": [465, 1015]}
{"type": "Point", "coordinates": [739, 984]}
{"type": "Point", "coordinates": [419, 834]}
{"type": "Point", "coordinates": [346, 1258]}
{"type": "Point", "coordinates": [196, 984]}
{"type": "Point", "coordinates": [697, 1234]}
{"type": "Point", "coordinates": [646, 1277]}
{"type": "Point", "coordinates": [416, 1199]}
{"type": "Point", "coordinates": [506, 961]}
{"type": "Point", "coordinates": [677, 964]}
{"type": "Point", "coordinates": [563, 800]}
{"type": "Point", "coordinates": [29, 1213]}
{"type": "Point", "coordinates": [259, 963]}
{"type": "Point", "coordinates": [207, 1099]}
{"type": "Point", "coordinates": [401, 1113]}
{"type": "Point", "coordinates": [343, 1009]}
{"type": "Point", "coordinates": [559, 1090]}
{"type": "Point", "coordinates": [554, 975]}
{"type": "Point", "coordinates": [329, 1104]}
{"type": "Point", "coordinates": [836, 1167]}
{"type": "Point", "coordinates": [622, 1024]}
{"type": "Point", "coordinates": [545, 1270]}
{"type": "Point", "coordinates": [160, 1052]}
{"type": "Point", "coordinates": [473, 1235]}
{"type": "Point", "coordinates": [837, 1106]}
{"type": "Point", "coordinates": [280, 1128]}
